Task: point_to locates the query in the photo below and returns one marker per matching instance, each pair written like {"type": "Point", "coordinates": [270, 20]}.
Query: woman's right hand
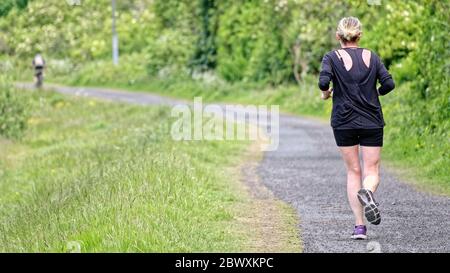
{"type": "Point", "coordinates": [326, 94]}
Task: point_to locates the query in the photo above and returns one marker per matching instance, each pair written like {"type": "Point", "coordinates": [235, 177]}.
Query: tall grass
{"type": "Point", "coordinates": [107, 177]}
{"type": "Point", "coordinates": [14, 110]}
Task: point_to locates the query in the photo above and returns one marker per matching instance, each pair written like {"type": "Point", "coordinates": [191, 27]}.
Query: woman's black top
{"type": "Point", "coordinates": [355, 95]}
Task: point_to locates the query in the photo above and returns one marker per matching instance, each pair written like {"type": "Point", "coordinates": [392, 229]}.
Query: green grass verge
{"type": "Point", "coordinates": [108, 177]}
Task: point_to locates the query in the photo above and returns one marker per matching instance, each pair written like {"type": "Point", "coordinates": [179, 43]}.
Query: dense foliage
{"type": "Point", "coordinates": [270, 40]}
{"type": "Point", "coordinates": [8, 5]}
{"type": "Point", "coordinates": [418, 49]}
{"type": "Point", "coordinates": [13, 111]}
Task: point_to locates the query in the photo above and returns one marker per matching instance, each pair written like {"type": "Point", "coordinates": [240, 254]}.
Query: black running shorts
{"type": "Point", "coordinates": [363, 137]}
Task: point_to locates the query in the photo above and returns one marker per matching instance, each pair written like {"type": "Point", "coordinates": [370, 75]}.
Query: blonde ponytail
{"type": "Point", "coordinates": [349, 29]}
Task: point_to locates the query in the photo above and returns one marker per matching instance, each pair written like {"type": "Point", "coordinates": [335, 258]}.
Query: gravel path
{"type": "Point", "coordinates": [307, 172]}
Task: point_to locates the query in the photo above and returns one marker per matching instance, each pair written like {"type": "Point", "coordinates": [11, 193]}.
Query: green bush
{"type": "Point", "coordinates": [169, 53]}
{"type": "Point", "coordinates": [394, 37]}
{"type": "Point", "coordinates": [250, 42]}
{"type": "Point", "coordinates": [7, 5]}
{"type": "Point", "coordinates": [424, 70]}
{"type": "Point", "coordinates": [13, 111]}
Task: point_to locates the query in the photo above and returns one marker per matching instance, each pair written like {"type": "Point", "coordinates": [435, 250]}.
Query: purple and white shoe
{"type": "Point", "coordinates": [371, 210]}
{"type": "Point", "coordinates": [359, 233]}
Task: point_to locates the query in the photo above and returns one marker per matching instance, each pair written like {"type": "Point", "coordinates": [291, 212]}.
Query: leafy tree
{"type": "Point", "coordinates": [7, 5]}
{"type": "Point", "coordinates": [205, 54]}
{"type": "Point", "coordinates": [250, 42]}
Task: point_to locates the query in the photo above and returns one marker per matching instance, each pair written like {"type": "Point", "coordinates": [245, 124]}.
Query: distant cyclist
{"type": "Point", "coordinates": [39, 66]}
{"type": "Point", "coordinates": [356, 118]}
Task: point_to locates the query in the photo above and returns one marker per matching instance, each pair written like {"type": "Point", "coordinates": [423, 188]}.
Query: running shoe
{"type": "Point", "coordinates": [371, 210]}
{"type": "Point", "coordinates": [359, 233]}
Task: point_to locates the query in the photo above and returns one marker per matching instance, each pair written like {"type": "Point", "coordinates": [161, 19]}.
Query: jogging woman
{"type": "Point", "coordinates": [356, 118]}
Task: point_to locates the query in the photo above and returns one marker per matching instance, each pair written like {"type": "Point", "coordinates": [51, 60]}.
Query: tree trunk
{"type": "Point", "coordinates": [300, 67]}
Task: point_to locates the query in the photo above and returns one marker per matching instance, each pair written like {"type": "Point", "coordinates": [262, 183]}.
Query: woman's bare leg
{"type": "Point", "coordinates": [371, 164]}
{"type": "Point", "coordinates": [351, 159]}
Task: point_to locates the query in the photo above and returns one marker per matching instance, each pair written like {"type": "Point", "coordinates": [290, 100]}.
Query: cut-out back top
{"type": "Point", "coordinates": [355, 96]}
